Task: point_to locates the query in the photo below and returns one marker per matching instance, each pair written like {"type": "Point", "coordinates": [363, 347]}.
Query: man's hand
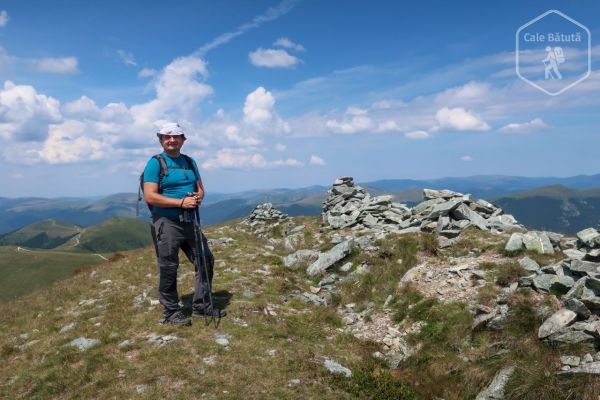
{"type": "Point", "coordinates": [190, 202]}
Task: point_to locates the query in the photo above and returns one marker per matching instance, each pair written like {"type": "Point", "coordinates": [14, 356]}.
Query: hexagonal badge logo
{"type": "Point", "coordinates": [553, 52]}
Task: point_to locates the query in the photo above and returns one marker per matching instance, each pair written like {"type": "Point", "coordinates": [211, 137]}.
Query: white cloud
{"type": "Point", "coordinates": [356, 111]}
{"type": "Point", "coordinates": [232, 133]}
{"type": "Point", "coordinates": [288, 44]}
{"type": "Point", "coordinates": [417, 135]}
{"type": "Point", "coordinates": [25, 114]}
{"type": "Point", "coordinates": [220, 113]}
{"type": "Point", "coordinates": [459, 119]}
{"type": "Point", "coordinates": [388, 104]}
{"type": "Point", "coordinates": [280, 147]}
{"type": "Point", "coordinates": [388, 126]}
{"type": "Point", "coordinates": [68, 143]}
{"type": "Point", "coordinates": [242, 158]}
{"type": "Point", "coordinates": [271, 58]}
{"type": "Point", "coordinates": [471, 92]}
{"type": "Point", "coordinates": [127, 57]}
{"type": "Point", "coordinates": [316, 160]}
{"type": "Point", "coordinates": [258, 108]}
{"type": "Point", "coordinates": [534, 125]}
{"type": "Point", "coordinates": [271, 14]}
{"type": "Point", "coordinates": [147, 73]}
{"type": "Point", "coordinates": [178, 92]}
{"type": "Point", "coordinates": [62, 65]}
{"type": "Point", "coordinates": [3, 18]}
{"type": "Point", "coordinates": [466, 158]}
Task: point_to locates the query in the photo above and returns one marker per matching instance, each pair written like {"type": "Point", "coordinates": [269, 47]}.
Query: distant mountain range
{"type": "Point", "coordinates": [560, 204]}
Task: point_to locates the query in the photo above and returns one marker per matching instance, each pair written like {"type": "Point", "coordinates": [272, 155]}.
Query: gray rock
{"type": "Point", "coordinates": [346, 267]}
{"type": "Point", "coordinates": [570, 337]}
{"type": "Point", "coordinates": [538, 241]}
{"type": "Point", "coordinates": [557, 321]}
{"type": "Point", "coordinates": [588, 237]}
{"type": "Point", "coordinates": [529, 264]}
{"type": "Point", "coordinates": [83, 344]}
{"type": "Point", "coordinates": [588, 368]}
{"type": "Point", "coordinates": [160, 340]}
{"type": "Point", "coordinates": [495, 390]}
{"type": "Point", "coordinates": [125, 343]}
{"type": "Point", "coordinates": [301, 256]}
{"type": "Point", "coordinates": [587, 358]}
{"type": "Point", "coordinates": [515, 242]}
{"type": "Point", "coordinates": [562, 284]}
{"type": "Point", "coordinates": [429, 194]}
{"type": "Point", "coordinates": [577, 290]}
{"type": "Point", "coordinates": [577, 307]}
{"type": "Point", "coordinates": [574, 254]}
{"type": "Point", "coordinates": [327, 259]}
{"type": "Point", "coordinates": [464, 212]}
{"type": "Point", "coordinates": [584, 267]}
{"type": "Point", "coordinates": [337, 368]}
{"type": "Point", "coordinates": [572, 361]}
{"type": "Point", "coordinates": [544, 282]}
{"type": "Point", "coordinates": [67, 327]}
{"type": "Point", "coordinates": [442, 209]}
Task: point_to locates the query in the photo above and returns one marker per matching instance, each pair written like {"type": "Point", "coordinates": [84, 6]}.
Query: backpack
{"type": "Point", "coordinates": [164, 171]}
{"type": "Point", "coordinates": [560, 55]}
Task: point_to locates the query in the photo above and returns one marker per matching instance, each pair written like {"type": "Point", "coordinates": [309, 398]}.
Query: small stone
{"type": "Point", "coordinates": [293, 382]}
{"type": "Point", "coordinates": [93, 274]}
{"type": "Point", "coordinates": [572, 361]}
{"type": "Point", "coordinates": [141, 388]}
{"type": "Point", "coordinates": [557, 321]}
{"type": "Point", "coordinates": [67, 327]}
{"type": "Point", "coordinates": [587, 358]}
{"type": "Point", "coordinates": [346, 267]}
{"type": "Point", "coordinates": [210, 360]}
{"type": "Point", "coordinates": [125, 343]}
{"type": "Point", "coordinates": [106, 282]}
{"type": "Point", "coordinates": [83, 344]}
{"type": "Point", "coordinates": [515, 242]}
{"type": "Point", "coordinates": [271, 352]}
{"type": "Point", "coordinates": [337, 368]}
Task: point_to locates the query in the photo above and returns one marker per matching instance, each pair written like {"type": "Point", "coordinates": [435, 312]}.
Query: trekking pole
{"type": "Point", "coordinates": [203, 269]}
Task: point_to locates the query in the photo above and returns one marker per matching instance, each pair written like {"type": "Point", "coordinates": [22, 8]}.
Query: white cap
{"type": "Point", "coordinates": [170, 128]}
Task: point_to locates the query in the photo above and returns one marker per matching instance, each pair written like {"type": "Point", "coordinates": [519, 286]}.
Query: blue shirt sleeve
{"type": "Point", "coordinates": [152, 171]}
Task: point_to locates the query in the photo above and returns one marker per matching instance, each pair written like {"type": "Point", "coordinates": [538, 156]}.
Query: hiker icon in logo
{"type": "Point", "coordinates": [554, 57]}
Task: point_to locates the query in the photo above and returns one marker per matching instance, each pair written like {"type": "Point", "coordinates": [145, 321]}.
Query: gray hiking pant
{"type": "Point", "coordinates": [169, 236]}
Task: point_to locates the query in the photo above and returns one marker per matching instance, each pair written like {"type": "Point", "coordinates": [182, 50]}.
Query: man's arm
{"type": "Point", "coordinates": [152, 197]}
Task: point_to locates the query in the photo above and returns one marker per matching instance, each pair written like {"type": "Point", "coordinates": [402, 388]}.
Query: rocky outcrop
{"type": "Point", "coordinates": [443, 211]}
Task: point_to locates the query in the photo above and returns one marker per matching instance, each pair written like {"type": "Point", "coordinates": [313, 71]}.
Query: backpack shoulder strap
{"type": "Point", "coordinates": [190, 163]}
{"type": "Point", "coordinates": [164, 170]}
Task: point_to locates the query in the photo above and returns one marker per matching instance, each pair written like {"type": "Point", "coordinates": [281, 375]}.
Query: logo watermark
{"type": "Point", "coordinates": [553, 52]}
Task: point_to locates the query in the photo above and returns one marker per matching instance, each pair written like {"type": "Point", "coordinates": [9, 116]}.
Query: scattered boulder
{"type": "Point", "coordinates": [301, 256]}
{"type": "Point", "coordinates": [495, 391]}
{"type": "Point", "coordinates": [558, 320]}
{"type": "Point", "coordinates": [83, 344]}
{"type": "Point", "coordinates": [336, 368]}
{"type": "Point", "coordinates": [327, 259]}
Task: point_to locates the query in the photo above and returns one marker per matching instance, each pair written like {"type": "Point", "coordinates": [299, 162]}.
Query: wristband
{"type": "Point", "coordinates": [182, 200]}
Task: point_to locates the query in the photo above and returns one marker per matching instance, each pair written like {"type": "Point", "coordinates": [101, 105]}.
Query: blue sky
{"type": "Point", "coordinates": [288, 93]}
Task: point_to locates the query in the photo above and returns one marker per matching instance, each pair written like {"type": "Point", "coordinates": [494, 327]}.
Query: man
{"type": "Point", "coordinates": [168, 198]}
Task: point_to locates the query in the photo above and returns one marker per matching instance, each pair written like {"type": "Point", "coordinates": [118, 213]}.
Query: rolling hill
{"type": "Point", "coordinates": [45, 234]}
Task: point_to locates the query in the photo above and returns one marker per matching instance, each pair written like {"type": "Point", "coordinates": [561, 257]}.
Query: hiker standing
{"type": "Point", "coordinates": [172, 184]}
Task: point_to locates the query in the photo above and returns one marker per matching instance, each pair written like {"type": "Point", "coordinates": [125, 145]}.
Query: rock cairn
{"type": "Point", "coordinates": [263, 213]}
{"type": "Point", "coordinates": [443, 211]}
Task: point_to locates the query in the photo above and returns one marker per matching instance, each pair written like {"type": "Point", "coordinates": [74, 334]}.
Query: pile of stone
{"type": "Point", "coordinates": [443, 211]}
{"type": "Point", "coordinates": [348, 205]}
{"type": "Point", "coordinates": [264, 213]}
{"type": "Point", "coordinates": [585, 247]}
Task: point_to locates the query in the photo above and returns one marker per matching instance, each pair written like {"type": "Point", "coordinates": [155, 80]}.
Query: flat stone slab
{"type": "Point", "coordinates": [515, 242]}
{"type": "Point", "coordinates": [83, 344]}
{"type": "Point", "coordinates": [495, 391]}
{"type": "Point", "coordinates": [588, 236]}
{"type": "Point", "coordinates": [327, 259]}
{"type": "Point", "coordinates": [538, 241]}
{"type": "Point", "coordinates": [589, 368]}
{"type": "Point", "coordinates": [557, 321]}
{"type": "Point", "coordinates": [529, 264]}
{"type": "Point", "coordinates": [337, 368]}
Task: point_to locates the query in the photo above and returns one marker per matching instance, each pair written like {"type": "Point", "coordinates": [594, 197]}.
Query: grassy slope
{"type": "Point", "coordinates": [45, 234]}
{"type": "Point", "coordinates": [115, 234]}
{"type": "Point", "coordinates": [452, 363]}
{"type": "Point", "coordinates": [24, 271]}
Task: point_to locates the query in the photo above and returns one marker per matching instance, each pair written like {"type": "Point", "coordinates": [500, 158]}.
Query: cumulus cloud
{"type": "Point", "coordinates": [417, 135]}
{"type": "Point", "coordinates": [466, 158]}
{"type": "Point", "coordinates": [459, 119]}
{"type": "Point", "coordinates": [316, 160]}
{"type": "Point", "coordinates": [3, 18]}
{"type": "Point", "coordinates": [232, 133]}
{"type": "Point", "coordinates": [25, 114]}
{"type": "Point", "coordinates": [288, 44]}
{"type": "Point", "coordinates": [271, 58]}
{"type": "Point", "coordinates": [534, 125]}
{"type": "Point", "coordinates": [61, 65]}
{"type": "Point", "coordinates": [127, 57]}
{"type": "Point", "coordinates": [242, 158]}
{"type": "Point", "coordinates": [356, 120]}
{"type": "Point", "coordinates": [147, 73]}
{"type": "Point", "coordinates": [260, 115]}
{"type": "Point", "coordinates": [68, 143]}
{"type": "Point", "coordinates": [178, 92]}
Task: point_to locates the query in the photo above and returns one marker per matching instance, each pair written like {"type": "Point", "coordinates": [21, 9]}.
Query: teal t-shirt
{"type": "Point", "coordinates": [179, 181]}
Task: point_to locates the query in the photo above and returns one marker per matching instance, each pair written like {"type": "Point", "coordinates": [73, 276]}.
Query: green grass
{"type": "Point", "coordinates": [45, 234]}
{"type": "Point", "coordinates": [26, 271]}
{"type": "Point", "coordinates": [115, 234]}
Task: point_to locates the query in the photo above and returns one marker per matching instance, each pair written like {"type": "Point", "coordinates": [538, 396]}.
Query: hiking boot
{"type": "Point", "coordinates": [178, 318]}
{"type": "Point", "coordinates": [209, 312]}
